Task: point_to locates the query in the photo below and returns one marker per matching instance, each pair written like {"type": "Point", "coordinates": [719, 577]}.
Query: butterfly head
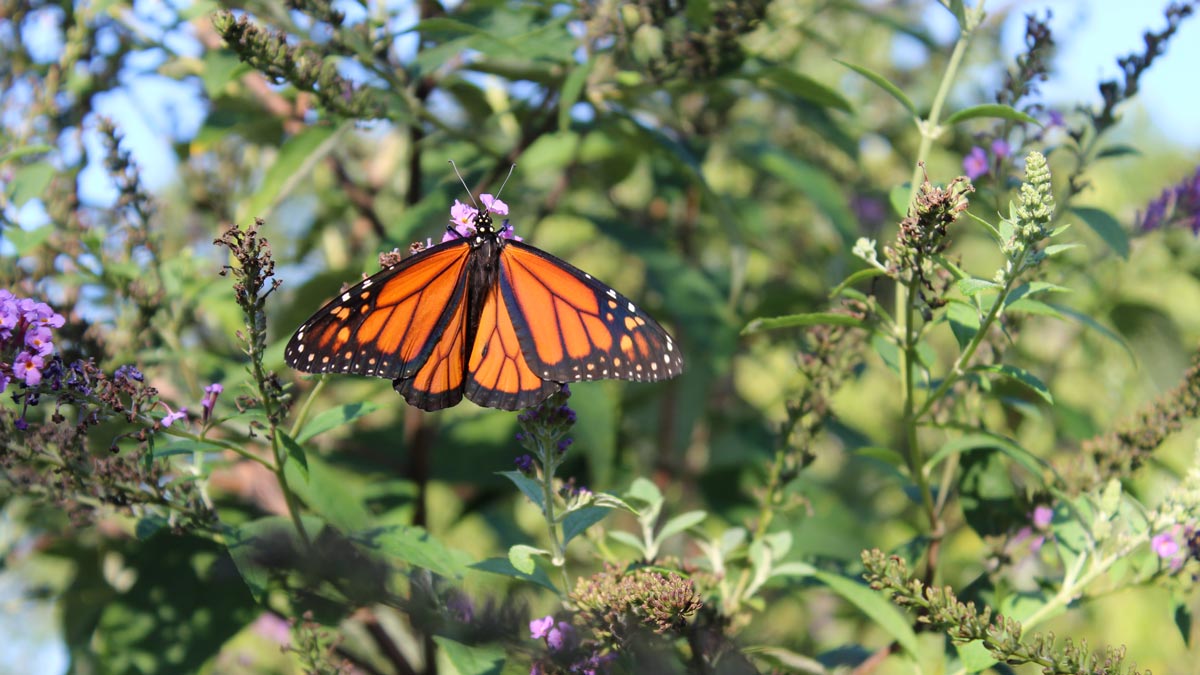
{"type": "Point", "coordinates": [483, 222]}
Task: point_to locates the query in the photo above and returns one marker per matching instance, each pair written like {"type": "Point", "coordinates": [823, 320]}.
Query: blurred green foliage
{"type": "Point", "coordinates": [724, 164]}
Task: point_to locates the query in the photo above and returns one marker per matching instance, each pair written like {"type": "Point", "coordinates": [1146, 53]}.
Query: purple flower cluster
{"type": "Point", "coordinates": [462, 219]}
{"type": "Point", "coordinates": [1176, 545]}
{"type": "Point", "coordinates": [26, 343]}
{"type": "Point", "coordinates": [978, 163]}
{"type": "Point", "coordinates": [568, 654]}
{"type": "Point", "coordinates": [1180, 203]}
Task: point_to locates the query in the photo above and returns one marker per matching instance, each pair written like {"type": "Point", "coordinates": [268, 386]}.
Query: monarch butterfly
{"type": "Point", "coordinates": [486, 316]}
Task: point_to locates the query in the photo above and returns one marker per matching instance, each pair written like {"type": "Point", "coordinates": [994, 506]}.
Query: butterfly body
{"type": "Point", "coordinates": [486, 317]}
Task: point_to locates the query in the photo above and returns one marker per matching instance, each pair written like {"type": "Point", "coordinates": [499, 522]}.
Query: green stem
{"type": "Point", "coordinates": [558, 550]}
{"type": "Point", "coordinates": [308, 401]}
{"type": "Point", "coordinates": [965, 356]}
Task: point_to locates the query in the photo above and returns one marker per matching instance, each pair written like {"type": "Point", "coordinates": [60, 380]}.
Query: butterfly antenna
{"type": "Point", "coordinates": [464, 184]}
{"type": "Point", "coordinates": [510, 173]}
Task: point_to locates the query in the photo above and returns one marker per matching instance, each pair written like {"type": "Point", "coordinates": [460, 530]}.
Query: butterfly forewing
{"type": "Point", "coordinates": [573, 327]}
{"type": "Point", "coordinates": [390, 324]}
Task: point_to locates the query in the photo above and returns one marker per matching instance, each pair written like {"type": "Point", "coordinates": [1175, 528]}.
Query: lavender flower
{"type": "Point", "coordinates": [211, 392]}
{"type": "Point", "coordinates": [1164, 545]}
{"type": "Point", "coordinates": [462, 219]}
{"type": "Point", "coordinates": [560, 637]}
{"type": "Point", "coordinates": [1000, 148]}
{"type": "Point", "coordinates": [26, 341]}
{"type": "Point", "coordinates": [173, 417]}
{"type": "Point", "coordinates": [976, 163]}
{"type": "Point", "coordinates": [128, 372]}
{"type": "Point", "coordinates": [540, 628]}
{"type": "Point", "coordinates": [1180, 203]}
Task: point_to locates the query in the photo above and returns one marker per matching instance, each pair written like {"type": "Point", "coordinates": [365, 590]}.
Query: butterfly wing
{"type": "Point", "coordinates": [406, 323]}
{"type": "Point", "coordinates": [571, 327]}
{"type": "Point", "coordinates": [498, 372]}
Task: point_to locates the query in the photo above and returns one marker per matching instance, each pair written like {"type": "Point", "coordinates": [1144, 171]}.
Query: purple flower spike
{"type": "Point", "coordinates": [1000, 148]}
{"type": "Point", "coordinates": [560, 637]}
{"type": "Point", "coordinates": [211, 392]}
{"type": "Point", "coordinates": [975, 164]}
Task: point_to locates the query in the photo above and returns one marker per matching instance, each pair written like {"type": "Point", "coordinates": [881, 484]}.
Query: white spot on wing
{"type": "Point", "coordinates": [367, 283]}
{"type": "Point", "coordinates": [632, 308]}
{"type": "Point", "coordinates": [345, 297]}
{"type": "Point", "coordinates": [612, 293]}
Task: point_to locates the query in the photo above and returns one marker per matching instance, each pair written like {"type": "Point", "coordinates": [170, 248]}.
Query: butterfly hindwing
{"type": "Point", "coordinates": [572, 327]}
{"type": "Point", "coordinates": [499, 374]}
{"type": "Point", "coordinates": [392, 323]}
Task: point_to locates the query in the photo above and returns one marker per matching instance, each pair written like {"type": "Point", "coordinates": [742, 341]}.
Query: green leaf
{"type": "Point", "coordinates": [530, 487]}
{"type": "Point", "coordinates": [1055, 249]}
{"type": "Point", "coordinates": [579, 520]}
{"type": "Point", "coordinates": [469, 660]}
{"type": "Point", "coordinates": [991, 110]}
{"type": "Point", "coordinates": [1118, 150]}
{"type": "Point", "coordinates": [973, 286]}
{"type": "Point", "coordinates": [883, 613]}
{"type": "Point", "coordinates": [521, 557]}
{"type": "Point", "coordinates": [964, 321]}
{"type": "Point", "coordinates": [263, 545]}
{"type": "Point", "coordinates": [680, 523]}
{"type": "Point", "coordinates": [886, 455]}
{"type": "Point", "coordinates": [1022, 376]}
{"type": "Point", "coordinates": [571, 89]}
{"type": "Point", "coordinates": [185, 446]}
{"type": "Point", "coordinates": [334, 494]}
{"type": "Point", "coordinates": [816, 184]}
{"type": "Point", "coordinates": [975, 656]}
{"type": "Point", "coordinates": [295, 453]}
{"type": "Point", "coordinates": [1034, 465]}
{"type": "Point", "coordinates": [29, 182]}
{"type": "Point", "coordinates": [898, 197]}
{"type": "Point", "coordinates": [413, 545]}
{"type": "Point", "coordinates": [17, 153]}
{"type": "Point", "coordinates": [1106, 227]}
{"type": "Point", "coordinates": [644, 490]}
{"type": "Point", "coordinates": [1182, 613]}
{"type": "Point", "coordinates": [25, 241]}
{"type": "Point", "coordinates": [884, 84]}
{"type": "Point", "coordinates": [173, 619]}
{"type": "Point", "coordinates": [295, 160]}
{"type": "Point", "coordinates": [861, 275]}
{"type": "Point", "coordinates": [629, 540]}
{"type": "Point", "coordinates": [1099, 328]}
{"type": "Point", "coordinates": [503, 567]}
{"type": "Point", "coordinates": [803, 86]}
{"type": "Point", "coordinates": [336, 417]}
{"type": "Point", "coordinates": [1033, 307]}
{"type": "Point", "coordinates": [149, 526]}
{"type": "Point", "coordinates": [794, 320]}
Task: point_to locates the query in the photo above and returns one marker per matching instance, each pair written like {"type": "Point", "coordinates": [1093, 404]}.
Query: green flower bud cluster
{"type": "Point", "coordinates": [302, 65]}
{"type": "Point", "coordinates": [963, 622]}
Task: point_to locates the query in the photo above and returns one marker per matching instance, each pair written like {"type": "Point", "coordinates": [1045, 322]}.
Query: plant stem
{"type": "Point", "coordinates": [965, 356]}
{"type": "Point", "coordinates": [930, 129]}
{"type": "Point", "coordinates": [549, 466]}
